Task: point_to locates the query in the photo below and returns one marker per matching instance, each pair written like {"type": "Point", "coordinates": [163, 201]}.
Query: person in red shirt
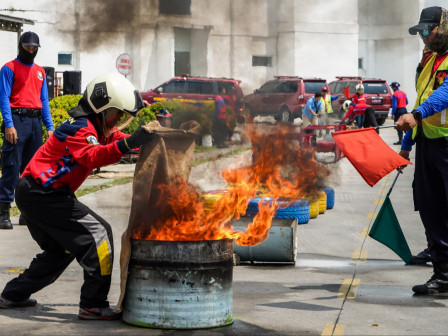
{"type": "Point", "coordinates": [359, 101]}
{"type": "Point", "coordinates": [24, 107]}
{"type": "Point", "coordinates": [63, 227]}
{"type": "Point", "coordinates": [220, 120]}
{"type": "Point", "coordinates": [399, 103]}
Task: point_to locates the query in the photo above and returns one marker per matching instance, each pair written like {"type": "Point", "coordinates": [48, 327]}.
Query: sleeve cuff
{"type": "Point", "coordinates": [122, 146]}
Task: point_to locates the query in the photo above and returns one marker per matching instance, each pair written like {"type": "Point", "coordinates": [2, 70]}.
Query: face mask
{"type": "Point", "coordinates": [440, 43]}
{"type": "Point", "coordinates": [114, 120]}
{"type": "Point", "coordinates": [26, 57]}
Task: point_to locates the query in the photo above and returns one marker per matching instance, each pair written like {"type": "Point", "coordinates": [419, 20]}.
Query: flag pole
{"type": "Point", "coordinates": [388, 126]}
{"type": "Point", "coordinates": [399, 171]}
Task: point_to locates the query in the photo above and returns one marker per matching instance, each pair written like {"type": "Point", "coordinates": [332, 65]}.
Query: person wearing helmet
{"type": "Point", "coordinates": [24, 106]}
{"type": "Point", "coordinates": [359, 98]}
{"type": "Point", "coordinates": [326, 103]}
{"type": "Point", "coordinates": [350, 115]}
{"type": "Point", "coordinates": [63, 227]}
{"type": "Point", "coordinates": [426, 127]}
{"type": "Point", "coordinates": [399, 103]}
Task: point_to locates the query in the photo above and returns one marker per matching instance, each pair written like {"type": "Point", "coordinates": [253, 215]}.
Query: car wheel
{"type": "Point", "coordinates": [380, 121]}
{"type": "Point", "coordinates": [285, 116]}
{"type": "Point", "coordinates": [248, 114]}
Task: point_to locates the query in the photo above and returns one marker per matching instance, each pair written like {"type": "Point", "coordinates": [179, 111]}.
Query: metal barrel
{"type": "Point", "coordinates": [179, 284]}
{"type": "Point", "coordinates": [280, 246]}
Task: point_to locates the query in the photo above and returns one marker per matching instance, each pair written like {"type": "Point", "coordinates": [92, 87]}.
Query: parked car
{"type": "Point", "coordinates": [376, 91]}
{"type": "Point", "coordinates": [284, 97]}
{"type": "Point", "coordinates": [195, 90]}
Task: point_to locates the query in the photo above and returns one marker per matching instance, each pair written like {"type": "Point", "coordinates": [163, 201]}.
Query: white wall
{"type": "Point", "coordinates": [319, 38]}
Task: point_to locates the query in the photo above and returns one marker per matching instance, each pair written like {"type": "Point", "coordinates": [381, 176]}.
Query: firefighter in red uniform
{"type": "Point", "coordinates": [63, 227]}
{"type": "Point", "coordinates": [24, 106]}
{"type": "Point", "coordinates": [359, 101]}
{"type": "Point", "coordinates": [220, 120]}
{"type": "Point", "coordinates": [399, 102]}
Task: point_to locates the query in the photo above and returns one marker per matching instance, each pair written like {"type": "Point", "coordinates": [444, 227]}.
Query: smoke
{"type": "Point", "coordinates": [100, 20]}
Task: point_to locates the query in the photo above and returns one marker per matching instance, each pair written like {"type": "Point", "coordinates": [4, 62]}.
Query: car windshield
{"type": "Point", "coordinates": [375, 88]}
{"type": "Point", "coordinates": [200, 87]}
{"type": "Point", "coordinates": [174, 87]}
{"type": "Point", "coordinates": [314, 86]}
{"type": "Point", "coordinates": [338, 87]}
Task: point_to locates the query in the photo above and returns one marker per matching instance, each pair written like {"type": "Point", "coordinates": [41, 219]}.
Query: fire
{"type": "Point", "coordinates": [281, 167]}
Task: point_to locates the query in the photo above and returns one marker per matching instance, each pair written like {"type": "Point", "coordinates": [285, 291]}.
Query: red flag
{"type": "Point", "coordinates": [347, 92]}
{"type": "Point", "coordinates": [368, 153]}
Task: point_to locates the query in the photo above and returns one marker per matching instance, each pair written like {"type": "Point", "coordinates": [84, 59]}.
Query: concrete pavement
{"type": "Point", "coordinates": [343, 283]}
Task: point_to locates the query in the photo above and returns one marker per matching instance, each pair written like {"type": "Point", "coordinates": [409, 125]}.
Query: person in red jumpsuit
{"type": "Point", "coordinates": [64, 228]}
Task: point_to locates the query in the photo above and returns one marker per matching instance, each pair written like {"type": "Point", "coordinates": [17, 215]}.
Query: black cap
{"type": "Point", "coordinates": [29, 39]}
{"type": "Point", "coordinates": [429, 17]}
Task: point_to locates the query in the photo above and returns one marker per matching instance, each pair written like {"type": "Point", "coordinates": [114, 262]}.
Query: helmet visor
{"type": "Point", "coordinates": [115, 120]}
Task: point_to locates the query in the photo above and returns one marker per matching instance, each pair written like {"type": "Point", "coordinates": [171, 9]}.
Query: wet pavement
{"type": "Point", "coordinates": [343, 282]}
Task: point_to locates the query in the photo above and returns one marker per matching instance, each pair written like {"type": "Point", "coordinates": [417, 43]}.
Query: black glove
{"type": "Point", "coordinates": [137, 139]}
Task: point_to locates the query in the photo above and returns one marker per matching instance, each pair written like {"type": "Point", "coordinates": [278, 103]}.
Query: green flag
{"type": "Point", "coordinates": [386, 229]}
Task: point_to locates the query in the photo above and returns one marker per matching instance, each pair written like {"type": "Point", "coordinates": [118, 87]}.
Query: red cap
{"type": "Point", "coordinates": [163, 113]}
{"type": "Point", "coordinates": [324, 88]}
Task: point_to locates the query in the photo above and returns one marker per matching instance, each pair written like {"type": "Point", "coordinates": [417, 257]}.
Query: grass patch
{"type": "Point", "coordinates": [123, 180]}
{"type": "Point", "coordinates": [203, 149]}
{"type": "Point", "coordinates": [113, 183]}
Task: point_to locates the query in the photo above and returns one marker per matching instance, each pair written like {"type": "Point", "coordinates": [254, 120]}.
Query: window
{"type": "Point", "coordinates": [313, 87]}
{"type": "Point", "coordinates": [200, 87]}
{"type": "Point", "coordinates": [375, 88]}
{"type": "Point", "coordinates": [288, 87]}
{"type": "Point", "coordinates": [360, 61]}
{"type": "Point", "coordinates": [174, 87]}
{"type": "Point", "coordinates": [65, 58]}
{"type": "Point", "coordinates": [269, 87]}
{"type": "Point", "coordinates": [175, 7]}
{"type": "Point", "coordinates": [261, 61]}
{"type": "Point", "coordinates": [230, 88]}
{"type": "Point", "coordinates": [338, 87]}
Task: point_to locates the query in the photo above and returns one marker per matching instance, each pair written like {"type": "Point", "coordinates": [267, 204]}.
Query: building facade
{"type": "Point", "coordinates": [250, 40]}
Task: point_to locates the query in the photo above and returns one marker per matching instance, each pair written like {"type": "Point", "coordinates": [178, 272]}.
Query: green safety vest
{"type": "Point", "coordinates": [326, 103]}
{"type": "Point", "coordinates": [435, 126]}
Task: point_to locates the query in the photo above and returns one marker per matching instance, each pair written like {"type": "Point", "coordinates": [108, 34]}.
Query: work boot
{"type": "Point", "coordinates": [421, 258]}
{"type": "Point", "coordinates": [438, 282]}
{"type": "Point", "coordinates": [7, 304]}
{"type": "Point", "coordinates": [98, 314]}
{"type": "Point", "coordinates": [398, 142]}
{"type": "Point", "coordinates": [5, 221]}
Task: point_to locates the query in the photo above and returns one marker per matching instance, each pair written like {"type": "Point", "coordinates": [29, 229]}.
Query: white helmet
{"type": "Point", "coordinates": [116, 99]}
{"type": "Point", "coordinates": [113, 90]}
{"type": "Point", "coordinates": [359, 87]}
{"type": "Point", "coordinates": [346, 105]}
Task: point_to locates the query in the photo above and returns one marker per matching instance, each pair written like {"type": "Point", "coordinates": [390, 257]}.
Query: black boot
{"type": "Point", "coordinates": [438, 282]}
{"type": "Point", "coordinates": [5, 221]}
{"type": "Point", "coordinates": [422, 258]}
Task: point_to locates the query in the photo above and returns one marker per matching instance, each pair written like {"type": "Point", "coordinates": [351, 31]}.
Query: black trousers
{"type": "Point", "coordinates": [431, 193]}
{"type": "Point", "coordinates": [398, 113]}
{"type": "Point", "coordinates": [370, 120]}
{"type": "Point", "coordinates": [65, 229]}
{"type": "Point", "coordinates": [220, 132]}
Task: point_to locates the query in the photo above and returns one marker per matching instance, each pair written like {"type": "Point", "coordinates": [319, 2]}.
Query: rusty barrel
{"type": "Point", "coordinates": [179, 284]}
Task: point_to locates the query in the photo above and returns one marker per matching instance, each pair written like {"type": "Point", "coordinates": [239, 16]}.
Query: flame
{"type": "Point", "coordinates": [281, 168]}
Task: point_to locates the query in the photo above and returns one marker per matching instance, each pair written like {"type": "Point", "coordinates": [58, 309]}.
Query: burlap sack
{"type": "Point", "coordinates": [168, 156]}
